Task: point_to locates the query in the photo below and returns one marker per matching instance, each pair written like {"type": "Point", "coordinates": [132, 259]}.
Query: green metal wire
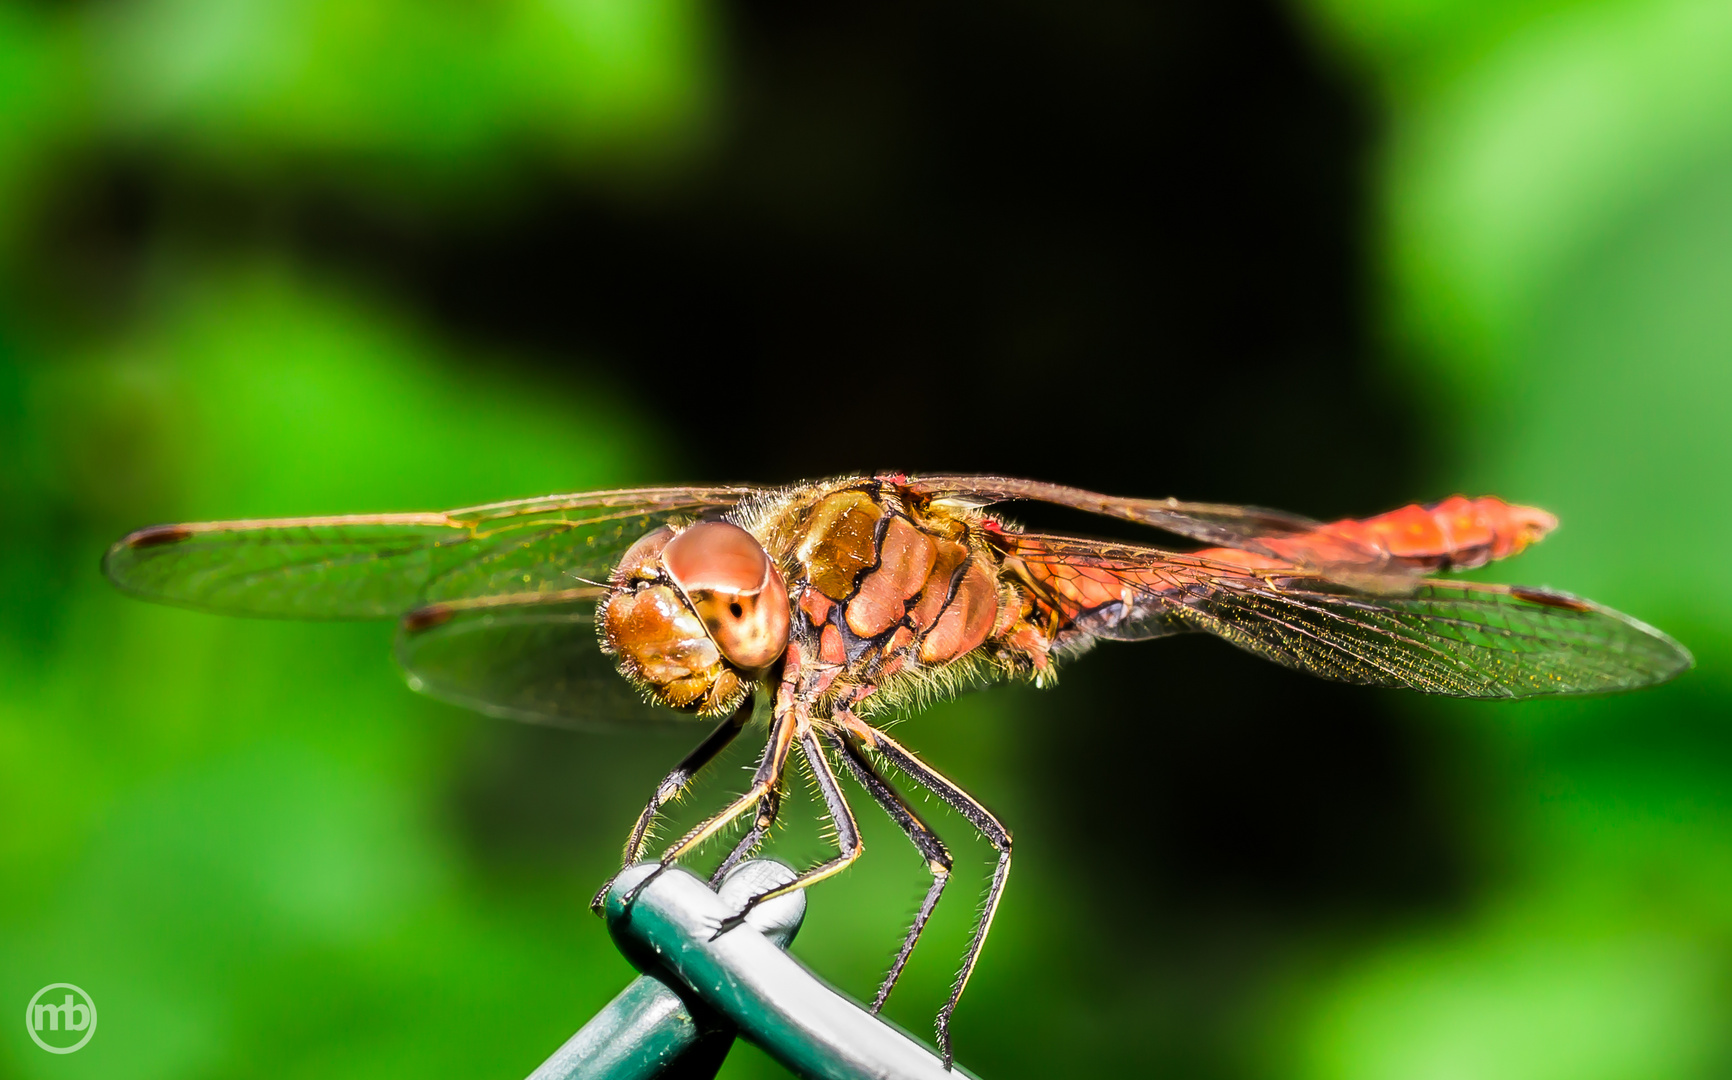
{"type": "Point", "coordinates": [657, 1027]}
{"type": "Point", "coordinates": [645, 1033]}
{"type": "Point", "coordinates": [699, 989]}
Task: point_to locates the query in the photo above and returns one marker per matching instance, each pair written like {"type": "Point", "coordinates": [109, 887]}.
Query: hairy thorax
{"type": "Point", "coordinates": [893, 599]}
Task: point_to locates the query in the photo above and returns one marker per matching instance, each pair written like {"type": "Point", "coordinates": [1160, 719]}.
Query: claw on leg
{"type": "Point", "coordinates": [729, 923]}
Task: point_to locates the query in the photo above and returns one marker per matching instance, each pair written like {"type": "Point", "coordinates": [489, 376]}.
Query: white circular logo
{"type": "Point", "coordinates": [60, 1017]}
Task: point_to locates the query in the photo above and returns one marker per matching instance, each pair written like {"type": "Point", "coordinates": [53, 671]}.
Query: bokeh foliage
{"type": "Point", "coordinates": [261, 855]}
{"type": "Point", "coordinates": [1556, 224]}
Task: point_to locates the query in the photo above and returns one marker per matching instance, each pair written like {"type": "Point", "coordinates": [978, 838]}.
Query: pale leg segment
{"type": "Point", "coordinates": [769, 807]}
{"type": "Point", "coordinates": [848, 842]}
{"type": "Point", "coordinates": [769, 775]}
{"type": "Point", "coordinates": [674, 783]}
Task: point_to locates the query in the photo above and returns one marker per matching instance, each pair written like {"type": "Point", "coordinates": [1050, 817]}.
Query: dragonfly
{"type": "Point", "coordinates": [841, 602]}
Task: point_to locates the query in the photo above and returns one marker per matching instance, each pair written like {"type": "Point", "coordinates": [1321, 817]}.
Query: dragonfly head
{"type": "Point", "coordinates": [696, 615]}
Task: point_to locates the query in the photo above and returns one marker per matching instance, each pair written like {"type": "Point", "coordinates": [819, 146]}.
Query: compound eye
{"type": "Point", "coordinates": [734, 588]}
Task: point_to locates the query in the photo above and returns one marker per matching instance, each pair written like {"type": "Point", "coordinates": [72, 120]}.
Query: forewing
{"type": "Point", "coordinates": [1220, 524]}
{"type": "Point", "coordinates": [1438, 637]}
{"type": "Point", "coordinates": [531, 657]}
{"type": "Point", "coordinates": [382, 565]}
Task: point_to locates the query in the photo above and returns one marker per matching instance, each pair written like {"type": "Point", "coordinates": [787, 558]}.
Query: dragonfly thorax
{"type": "Point", "coordinates": [695, 615]}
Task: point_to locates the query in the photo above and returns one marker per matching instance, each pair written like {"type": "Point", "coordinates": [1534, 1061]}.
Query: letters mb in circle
{"type": "Point", "coordinates": [61, 1018]}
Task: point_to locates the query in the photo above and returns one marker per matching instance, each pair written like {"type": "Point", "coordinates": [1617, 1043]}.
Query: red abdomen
{"type": "Point", "coordinates": [1456, 534]}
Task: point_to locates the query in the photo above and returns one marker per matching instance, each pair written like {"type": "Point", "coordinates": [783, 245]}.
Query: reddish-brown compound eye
{"type": "Point", "coordinates": [734, 588]}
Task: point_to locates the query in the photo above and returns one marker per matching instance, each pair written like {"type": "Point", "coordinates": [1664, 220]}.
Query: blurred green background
{"type": "Point", "coordinates": [299, 256]}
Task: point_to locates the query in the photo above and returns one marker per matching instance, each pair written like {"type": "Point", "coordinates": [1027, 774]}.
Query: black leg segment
{"type": "Point", "coordinates": [847, 833]}
{"type": "Point", "coordinates": [938, 860]}
{"type": "Point", "coordinates": [769, 807]}
{"type": "Point", "coordinates": [996, 834]}
{"type": "Point", "coordinates": [676, 781]}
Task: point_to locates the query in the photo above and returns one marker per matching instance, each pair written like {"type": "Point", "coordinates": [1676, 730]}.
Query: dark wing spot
{"type": "Point", "coordinates": [427, 618]}
{"type": "Point", "coordinates": [157, 535]}
{"type": "Point", "coordinates": [1549, 599]}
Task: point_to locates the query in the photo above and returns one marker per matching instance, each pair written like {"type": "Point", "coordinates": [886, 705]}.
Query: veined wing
{"type": "Point", "coordinates": [371, 566]}
{"type": "Point", "coordinates": [1456, 533]}
{"type": "Point", "coordinates": [1438, 637]}
{"type": "Point", "coordinates": [529, 656]}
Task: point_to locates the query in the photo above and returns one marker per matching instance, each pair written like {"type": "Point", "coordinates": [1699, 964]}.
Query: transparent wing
{"type": "Point", "coordinates": [528, 657]}
{"type": "Point", "coordinates": [1438, 637]}
{"type": "Point", "coordinates": [382, 565]}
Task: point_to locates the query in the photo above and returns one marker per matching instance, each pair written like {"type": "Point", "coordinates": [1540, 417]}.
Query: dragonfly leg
{"type": "Point", "coordinates": [674, 783]}
{"type": "Point", "coordinates": [769, 775]}
{"type": "Point", "coordinates": [847, 834]}
{"type": "Point", "coordinates": [768, 808]}
{"type": "Point", "coordinates": [938, 859]}
{"type": "Point", "coordinates": [988, 826]}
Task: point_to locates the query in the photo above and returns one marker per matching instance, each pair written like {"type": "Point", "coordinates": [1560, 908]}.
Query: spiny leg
{"type": "Point", "coordinates": [768, 808]}
{"type": "Point", "coordinates": [674, 783]}
{"type": "Point", "coordinates": [847, 835]}
{"type": "Point", "coordinates": [938, 859]}
{"type": "Point", "coordinates": [989, 827]}
{"type": "Point", "coordinates": [769, 775]}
